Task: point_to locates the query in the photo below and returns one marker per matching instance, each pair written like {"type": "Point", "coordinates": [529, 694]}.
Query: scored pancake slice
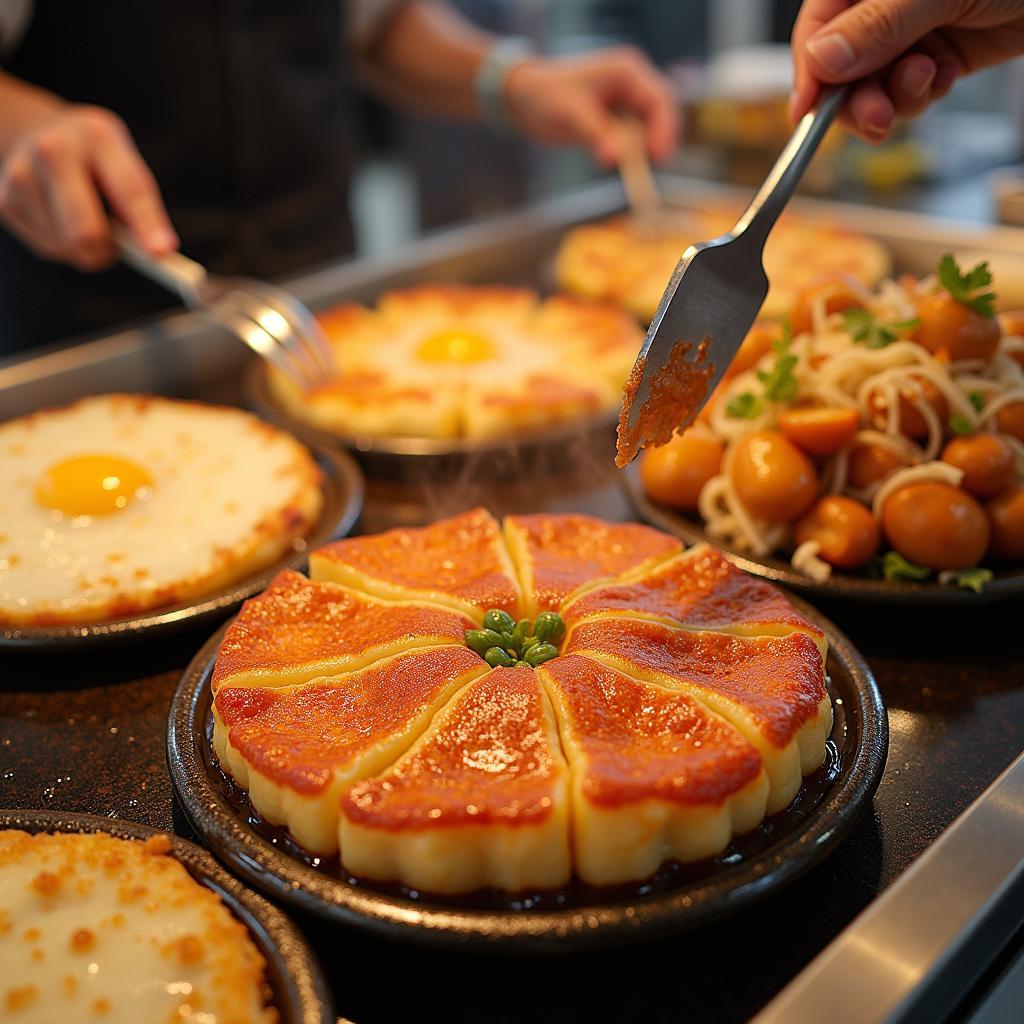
{"type": "Point", "coordinates": [770, 688]}
{"type": "Point", "coordinates": [460, 562]}
{"type": "Point", "coordinates": [557, 554]}
{"type": "Point", "coordinates": [298, 629]}
{"type": "Point", "coordinates": [699, 589]}
{"type": "Point", "coordinates": [655, 775]}
{"type": "Point", "coordinates": [296, 749]}
{"type": "Point", "coordinates": [480, 800]}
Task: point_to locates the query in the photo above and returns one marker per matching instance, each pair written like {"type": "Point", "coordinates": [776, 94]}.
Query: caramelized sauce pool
{"type": "Point", "coordinates": [670, 877]}
{"type": "Point", "coordinates": [676, 393]}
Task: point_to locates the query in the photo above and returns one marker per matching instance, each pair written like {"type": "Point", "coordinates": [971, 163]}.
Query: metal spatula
{"type": "Point", "coordinates": [711, 302]}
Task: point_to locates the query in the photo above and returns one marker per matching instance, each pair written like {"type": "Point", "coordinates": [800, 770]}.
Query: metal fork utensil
{"type": "Point", "coordinates": [716, 291]}
{"type": "Point", "coordinates": [271, 322]}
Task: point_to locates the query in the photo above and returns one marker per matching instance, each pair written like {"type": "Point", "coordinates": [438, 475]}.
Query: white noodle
{"type": "Point", "coordinates": [942, 472]}
{"type": "Point", "coordinates": [1009, 398]}
{"type": "Point", "coordinates": [834, 371]}
{"type": "Point", "coordinates": [896, 443]}
{"type": "Point", "coordinates": [805, 559]}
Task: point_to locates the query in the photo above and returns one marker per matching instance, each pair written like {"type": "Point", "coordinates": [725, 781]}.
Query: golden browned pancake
{"type": "Point", "coordinates": [614, 261]}
{"type": "Point", "coordinates": [299, 629]}
{"type": "Point", "coordinates": [688, 700]}
{"type": "Point", "coordinates": [655, 774]}
{"type": "Point", "coordinates": [122, 504]}
{"type": "Point", "coordinates": [459, 562]}
{"type": "Point", "coordinates": [446, 361]}
{"type": "Point", "coordinates": [296, 748]}
{"type": "Point", "coordinates": [479, 801]}
{"type": "Point", "coordinates": [700, 589]}
{"type": "Point", "coordinates": [556, 555]}
{"type": "Point", "coordinates": [94, 928]}
{"type": "Point", "coordinates": [770, 688]}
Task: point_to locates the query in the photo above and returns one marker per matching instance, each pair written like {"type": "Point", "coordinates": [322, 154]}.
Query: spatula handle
{"type": "Point", "coordinates": [782, 180]}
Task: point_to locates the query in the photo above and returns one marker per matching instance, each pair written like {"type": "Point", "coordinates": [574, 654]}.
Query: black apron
{"type": "Point", "coordinates": [238, 106]}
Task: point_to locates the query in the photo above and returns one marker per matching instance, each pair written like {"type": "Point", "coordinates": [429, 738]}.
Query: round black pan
{"type": "Point", "coordinates": [678, 898]}
{"type": "Point", "coordinates": [300, 993]}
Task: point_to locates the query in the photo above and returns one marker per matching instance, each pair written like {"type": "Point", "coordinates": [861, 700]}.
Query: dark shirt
{"type": "Point", "coordinates": [240, 107]}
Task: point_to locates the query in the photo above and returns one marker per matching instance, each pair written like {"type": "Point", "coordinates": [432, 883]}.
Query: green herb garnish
{"type": "Point", "coordinates": [977, 399]}
{"type": "Point", "coordinates": [745, 406]}
{"type": "Point", "coordinates": [961, 425]}
{"type": "Point", "coordinates": [780, 383]}
{"type": "Point", "coordinates": [526, 642]}
{"type": "Point", "coordinates": [964, 287]}
{"type": "Point", "coordinates": [863, 326]}
{"type": "Point", "coordinates": [895, 567]}
{"type": "Point", "coordinates": [973, 578]}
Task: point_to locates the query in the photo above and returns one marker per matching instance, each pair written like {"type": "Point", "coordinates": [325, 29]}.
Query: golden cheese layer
{"type": "Point", "coordinates": [94, 928]}
{"type": "Point", "coordinates": [459, 562]}
{"type": "Point", "coordinates": [296, 748]}
{"type": "Point", "coordinates": [655, 774]}
{"type": "Point", "coordinates": [771, 688]}
{"type": "Point", "coordinates": [556, 555]}
{"type": "Point", "coordinates": [480, 800]}
{"type": "Point", "coordinates": [299, 629]}
{"type": "Point", "coordinates": [699, 589]}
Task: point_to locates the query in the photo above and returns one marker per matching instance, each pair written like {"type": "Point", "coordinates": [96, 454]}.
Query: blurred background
{"type": "Point", "coordinates": [729, 61]}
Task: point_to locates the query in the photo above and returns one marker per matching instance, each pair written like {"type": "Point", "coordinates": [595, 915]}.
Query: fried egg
{"type": "Point", "coordinates": [467, 361]}
{"type": "Point", "coordinates": [120, 504]}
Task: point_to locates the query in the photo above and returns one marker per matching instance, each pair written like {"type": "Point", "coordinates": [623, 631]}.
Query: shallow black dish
{"type": "Point", "coordinates": [417, 460]}
{"type": "Point", "coordinates": [1005, 584]}
{"type": "Point", "coordinates": [300, 993]}
{"type": "Point", "coordinates": [342, 502]}
{"type": "Point", "coordinates": [678, 898]}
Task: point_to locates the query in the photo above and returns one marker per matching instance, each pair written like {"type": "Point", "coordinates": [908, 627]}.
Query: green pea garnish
{"type": "Point", "coordinates": [503, 643]}
{"type": "Point", "coordinates": [499, 621]}
{"type": "Point", "coordinates": [497, 658]}
{"type": "Point", "coordinates": [549, 627]}
{"type": "Point", "coordinates": [539, 654]}
{"type": "Point", "coordinates": [482, 640]}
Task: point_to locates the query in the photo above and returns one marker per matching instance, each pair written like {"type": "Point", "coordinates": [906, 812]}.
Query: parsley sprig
{"type": "Point", "coordinates": [973, 578]}
{"type": "Point", "coordinates": [863, 326]}
{"type": "Point", "coordinates": [779, 382]}
{"type": "Point", "coordinates": [965, 288]}
{"type": "Point", "coordinates": [893, 566]}
{"type": "Point", "coordinates": [961, 425]}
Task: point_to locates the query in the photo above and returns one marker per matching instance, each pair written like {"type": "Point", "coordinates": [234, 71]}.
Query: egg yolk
{"type": "Point", "coordinates": [91, 485]}
{"type": "Point", "coordinates": [456, 346]}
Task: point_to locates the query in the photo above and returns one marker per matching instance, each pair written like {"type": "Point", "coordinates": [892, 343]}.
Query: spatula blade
{"type": "Point", "coordinates": [711, 302]}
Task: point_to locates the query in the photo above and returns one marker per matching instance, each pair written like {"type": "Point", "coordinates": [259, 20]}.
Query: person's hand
{"type": "Point", "coordinates": [578, 99]}
{"type": "Point", "coordinates": [56, 177]}
{"type": "Point", "coordinates": [905, 53]}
